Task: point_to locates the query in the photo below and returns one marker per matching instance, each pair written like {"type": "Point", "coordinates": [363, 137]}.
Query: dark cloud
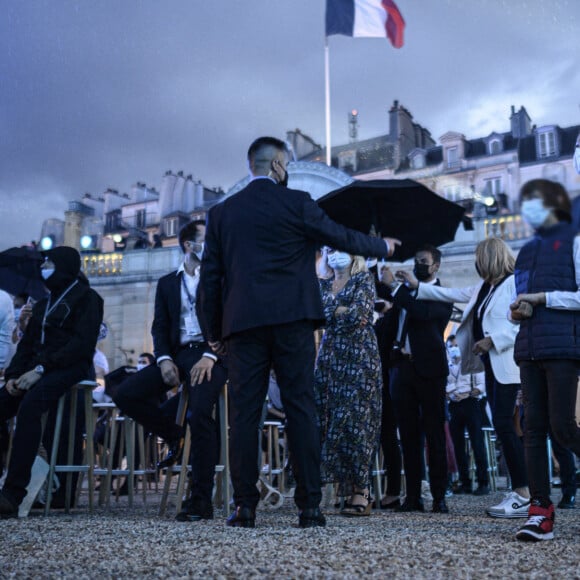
{"type": "Point", "coordinates": [99, 94]}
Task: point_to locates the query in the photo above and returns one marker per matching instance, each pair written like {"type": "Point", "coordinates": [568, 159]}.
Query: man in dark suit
{"type": "Point", "coordinates": [418, 379]}
{"type": "Point", "coordinates": [184, 357]}
{"type": "Point", "coordinates": [260, 293]}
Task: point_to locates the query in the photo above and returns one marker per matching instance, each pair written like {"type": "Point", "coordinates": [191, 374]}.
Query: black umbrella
{"type": "Point", "coordinates": [20, 272]}
{"type": "Point", "coordinates": [397, 208]}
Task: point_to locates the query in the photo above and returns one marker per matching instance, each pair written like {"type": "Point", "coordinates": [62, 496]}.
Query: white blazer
{"type": "Point", "coordinates": [495, 324]}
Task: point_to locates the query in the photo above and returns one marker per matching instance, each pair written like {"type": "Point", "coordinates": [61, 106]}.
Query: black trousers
{"type": "Point", "coordinates": [138, 397]}
{"type": "Point", "coordinates": [466, 414]}
{"type": "Point", "coordinates": [289, 349]}
{"type": "Point", "coordinates": [390, 439]}
{"type": "Point", "coordinates": [28, 409]}
{"type": "Point", "coordinates": [549, 388]}
{"type": "Point", "coordinates": [419, 405]}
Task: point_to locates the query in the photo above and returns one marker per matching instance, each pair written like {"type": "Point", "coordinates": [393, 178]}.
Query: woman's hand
{"type": "Point", "coordinates": [483, 346]}
{"type": "Point", "coordinates": [340, 310]}
{"type": "Point", "coordinates": [408, 279]}
{"type": "Point", "coordinates": [323, 270]}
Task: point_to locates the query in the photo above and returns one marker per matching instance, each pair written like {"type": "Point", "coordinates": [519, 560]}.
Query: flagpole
{"type": "Point", "coordinates": [327, 99]}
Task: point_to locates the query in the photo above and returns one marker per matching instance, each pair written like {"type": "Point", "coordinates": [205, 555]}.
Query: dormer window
{"type": "Point", "coordinates": [495, 147]}
{"type": "Point", "coordinates": [547, 144]}
{"type": "Point", "coordinates": [452, 156]}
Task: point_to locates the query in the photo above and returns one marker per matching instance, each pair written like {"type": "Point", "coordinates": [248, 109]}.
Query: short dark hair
{"type": "Point", "coordinates": [261, 151]}
{"type": "Point", "coordinates": [435, 252]}
{"type": "Point", "coordinates": [188, 231]}
{"type": "Point", "coordinates": [148, 356]}
{"type": "Point", "coordinates": [553, 194]}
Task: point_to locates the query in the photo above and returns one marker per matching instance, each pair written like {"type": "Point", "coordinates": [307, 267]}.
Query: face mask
{"type": "Point", "coordinates": [534, 212]}
{"type": "Point", "coordinates": [339, 260]}
{"type": "Point", "coordinates": [46, 273]}
{"type": "Point", "coordinates": [577, 159]}
{"type": "Point", "coordinates": [371, 263]}
{"type": "Point", "coordinates": [421, 272]}
{"type": "Point", "coordinates": [284, 181]}
{"type": "Point", "coordinates": [199, 254]}
{"type": "Point", "coordinates": [140, 366]}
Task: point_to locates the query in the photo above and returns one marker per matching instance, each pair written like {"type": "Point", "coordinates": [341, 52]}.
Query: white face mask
{"type": "Point", "coordinates": [140, 366]}
{"type": "Point", "coordinates": [339, 260]}
{"type": "Point", "coordinates": [200, 253]}
{"type": "Point", "coordinates": [577, 159]}
{"type": "Point", "coordinates": [372, 262]}
{"type": "Point", "coordinates": [46, 273]}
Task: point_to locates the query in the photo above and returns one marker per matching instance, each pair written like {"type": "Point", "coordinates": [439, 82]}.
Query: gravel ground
{"type": "Point", "coordinates": [134, 542]}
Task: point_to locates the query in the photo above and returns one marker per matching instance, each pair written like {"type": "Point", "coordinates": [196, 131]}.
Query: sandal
{"type": "Point", "coordinates": [355, 510]}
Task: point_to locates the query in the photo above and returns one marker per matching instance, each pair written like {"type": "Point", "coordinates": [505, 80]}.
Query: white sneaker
{"type": "Point", "coordinates": [426, 491]}
{"type": "Point", "coordinates": [513, 505]}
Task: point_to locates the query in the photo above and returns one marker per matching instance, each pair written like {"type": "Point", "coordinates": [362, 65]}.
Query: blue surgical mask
{"type": "Point", "coordinates": [534, 212]}
{"type": "Point", "coordinates": [46, 273]}
{"type": "Point", "coordinates": [339, 260]}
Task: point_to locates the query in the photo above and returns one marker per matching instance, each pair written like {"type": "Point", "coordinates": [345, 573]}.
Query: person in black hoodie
{"type": "Point", "coordinates": [55, 352]}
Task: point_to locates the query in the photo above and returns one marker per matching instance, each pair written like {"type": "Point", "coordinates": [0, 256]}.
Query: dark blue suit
{"type": "Point", "coordinates": [259, 292]}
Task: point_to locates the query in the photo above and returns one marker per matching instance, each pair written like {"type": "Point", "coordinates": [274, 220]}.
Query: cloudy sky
{"type": "Point", "coordinates": [104, 94]}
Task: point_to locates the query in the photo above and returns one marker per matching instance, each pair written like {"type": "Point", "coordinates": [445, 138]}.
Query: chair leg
{"type": "Point", "coordinates": [55, 443]}
{"type": "Point", "coordinates": [183, 471]}
{"type": "Point", "coordinates": [225, 448]}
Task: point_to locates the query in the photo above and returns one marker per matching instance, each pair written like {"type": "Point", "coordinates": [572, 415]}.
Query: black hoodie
{"type": "Point", "coordinates": [71, 318]}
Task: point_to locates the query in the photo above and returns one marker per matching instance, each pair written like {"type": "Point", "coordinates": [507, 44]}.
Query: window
{"type": "Point", "coordinates": [171, 227]}
{"type": "Point", "coordinates": [493, 186]}
{"type": "Point", "coordinates": [452, 157]}
{"type": "Point", "coordinates": [495, 147]}
{"type": "Point", "coordinates": [547, 142]}
{"type": "Point", "coordinates": [452, 192]}
{"type": "Point", "coordinates": [418, 162]}
{"type": "Point", "coordinates": [141, 218]}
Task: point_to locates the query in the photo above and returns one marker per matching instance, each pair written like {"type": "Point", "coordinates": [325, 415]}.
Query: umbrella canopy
{"type": "Point", "coordinates": [20, 272]}
{"type": "Point", "coordinates": [397, 208]}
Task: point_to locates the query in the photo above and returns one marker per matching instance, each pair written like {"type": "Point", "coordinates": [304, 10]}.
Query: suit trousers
{"type": "Point", "coordinates": [390, 439]}
{"type": "Point", "coordinates": [28, 409]}
{"type": "Point", "coordinates": [138, 397]}
{"type": "Point", "coordinates": [288, 349]}
{"type": "Point", "coordinates": [466, 414]}
{"type": "Point", "coordinates": [419, 404]}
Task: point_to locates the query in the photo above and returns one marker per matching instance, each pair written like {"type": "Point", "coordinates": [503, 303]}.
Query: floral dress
{"type": "Point", "coordinates": [348, 385]}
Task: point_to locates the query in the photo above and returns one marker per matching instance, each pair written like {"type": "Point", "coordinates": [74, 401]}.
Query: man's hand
{"type": "Point", "coordinates": [27, 380]}
{"type": "Point", "coordinates": [201, 370]}
{"type": "Point", "coordinates": [169, 373]}
{"type": "Point", "coordinates": [25, 315]}
{"type": "Point", "coordinates": [534, 299]}
{"type": "Point", "coordinates": [483, 346]}
{"type": "Point", "coordinates": [392, 243]}
{"type": "Point", "coordinates": [408, 279]}
{"type": "Point", "coordinates": [10, 387]}
{"type": "Point", "coordinates": [521, 309]}
{"type": "Point", "coordinates": [218, 347]}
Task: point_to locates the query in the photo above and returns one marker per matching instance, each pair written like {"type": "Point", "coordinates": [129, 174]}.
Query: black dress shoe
{"type": "Point", "coordinates": [391, 505]}
{"type": "Point", "coordinates": [194, 510]}
{"type": "Point", "coordinates": [173, 454]}
{"type": "Point", "coordinates": [8, 508]}
{"type": "Point", "coordinates": [411, 504]}
{"type": "Point", "coordinates": [311, 518]}
{"type": "Point", "coordinates": [482, 489]}
{"type": "Point", "coordinates": [568, 502]}
{"type": "Point", "coordinates": [243, 517]}
{"type": "Point", "coordinates": [440, 507]}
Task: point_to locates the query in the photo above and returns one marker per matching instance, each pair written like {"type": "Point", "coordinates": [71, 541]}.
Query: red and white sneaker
{"type": "Point", "coordinates": [540, 524]}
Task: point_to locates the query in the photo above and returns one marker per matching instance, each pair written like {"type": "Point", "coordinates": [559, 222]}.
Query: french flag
{"type": "Point", "coordinates": [370, 18]}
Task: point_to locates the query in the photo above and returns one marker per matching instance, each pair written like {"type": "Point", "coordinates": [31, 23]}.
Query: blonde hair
{"type": "Point", "coordinates": [359, 264]}
{"type": "Point", "coordinates": [494, 260]}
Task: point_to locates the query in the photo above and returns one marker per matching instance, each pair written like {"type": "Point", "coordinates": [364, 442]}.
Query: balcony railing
{"type": "Point", "coordinates": [103, 264]}
{"type": "Point", "coordinates": [507, 227]}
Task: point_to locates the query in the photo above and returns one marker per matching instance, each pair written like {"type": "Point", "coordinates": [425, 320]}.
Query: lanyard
{"type": "Point", "coordinates": [190, 298]}
{"type": "Point", "coordinates": [49, 309]}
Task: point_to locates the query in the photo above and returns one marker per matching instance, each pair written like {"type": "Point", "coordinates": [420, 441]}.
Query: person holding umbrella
{"type": "Point", "coordinates": [55, 352]}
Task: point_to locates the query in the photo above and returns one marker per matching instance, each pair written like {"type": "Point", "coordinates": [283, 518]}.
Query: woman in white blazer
{"type": "Point", "coordinates": [486, 338]}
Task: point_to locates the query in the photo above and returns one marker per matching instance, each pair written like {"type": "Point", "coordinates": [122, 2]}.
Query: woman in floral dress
{"type": "Point", "coordinates": [348, 380]}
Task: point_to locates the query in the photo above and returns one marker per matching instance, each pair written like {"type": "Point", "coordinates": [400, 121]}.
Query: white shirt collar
{"type": "Point", "coordinates": [182, 269]}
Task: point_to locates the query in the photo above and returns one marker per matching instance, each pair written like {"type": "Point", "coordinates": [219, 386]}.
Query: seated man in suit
{"type": "Point", "coordinates": [183, 356]}
{"type": "Point", "coordinates": [418, 379]}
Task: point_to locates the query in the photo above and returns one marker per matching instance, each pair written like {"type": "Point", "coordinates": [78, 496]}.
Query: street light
{"type": "Point", "coordinates": [46, 243]}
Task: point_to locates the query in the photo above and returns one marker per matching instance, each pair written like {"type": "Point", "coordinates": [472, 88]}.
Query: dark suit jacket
{"type": "Point", "coordinates": [425, 327]}
{"type": "Point", "coordinates": [258, 267]}
{"type": "Point", "coordinates": [165, 327]}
